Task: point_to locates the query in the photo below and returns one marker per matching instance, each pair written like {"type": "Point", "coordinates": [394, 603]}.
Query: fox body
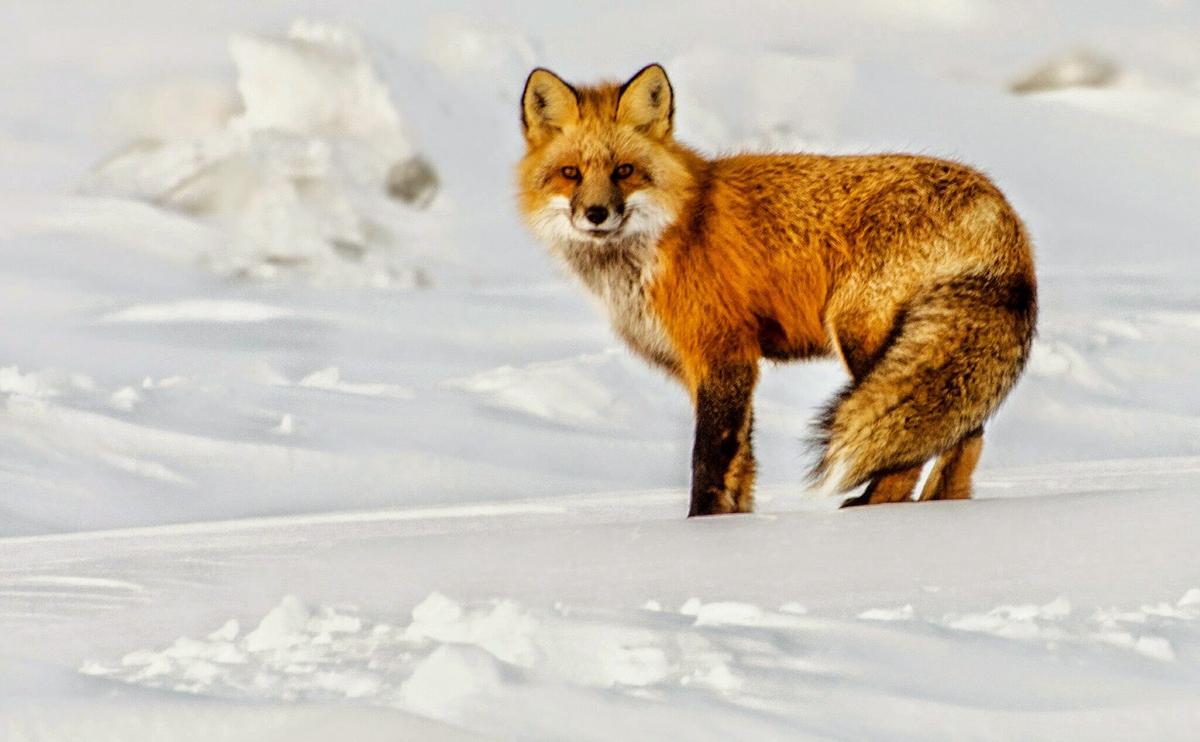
{"type": "Point", "coordinates": [914, 271]}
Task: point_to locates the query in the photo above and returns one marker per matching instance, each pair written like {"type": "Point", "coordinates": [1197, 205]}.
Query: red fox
{"type": "Point", "coordinates": [914, 271]}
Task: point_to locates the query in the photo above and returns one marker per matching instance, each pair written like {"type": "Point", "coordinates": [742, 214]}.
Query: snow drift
{"type": "Point", "coordinates": [314, 174]}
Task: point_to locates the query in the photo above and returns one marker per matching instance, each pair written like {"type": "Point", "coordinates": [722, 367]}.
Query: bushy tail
{"type": "Point", "coordinates": [956, 352]}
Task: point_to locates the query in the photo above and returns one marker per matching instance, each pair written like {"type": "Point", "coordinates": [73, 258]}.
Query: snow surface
{"type": "Point", "coordinates": [300, 432]}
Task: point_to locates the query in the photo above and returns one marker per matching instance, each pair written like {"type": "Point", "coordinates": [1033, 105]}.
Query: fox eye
{"type": "Point", "coordinates": [570, 172]}
{"type": "Point", "coordinates": [623, 171]}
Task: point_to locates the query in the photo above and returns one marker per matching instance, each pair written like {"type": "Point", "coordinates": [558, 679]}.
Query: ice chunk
{"type": "Point", "coordinates": [283, 627]}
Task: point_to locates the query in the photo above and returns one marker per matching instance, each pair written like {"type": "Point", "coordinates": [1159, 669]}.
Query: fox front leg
{"type": "Point", "coordinates": [722, 460]}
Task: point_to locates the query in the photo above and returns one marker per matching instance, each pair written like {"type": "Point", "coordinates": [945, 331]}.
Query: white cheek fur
{"type": "Point", "coordinates": [552, 222]}
{"type": "Point", "coordinates": [646, 216]}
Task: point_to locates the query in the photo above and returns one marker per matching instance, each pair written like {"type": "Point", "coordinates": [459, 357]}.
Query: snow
{"type": "Point", "coordinates": [199, 310]}
{"type": "Point", "coordinates": [302, 435]}
{"type": "Point", "coordinates": [330, 379]}
{"type": "Point", "coordinates": [560, 623]}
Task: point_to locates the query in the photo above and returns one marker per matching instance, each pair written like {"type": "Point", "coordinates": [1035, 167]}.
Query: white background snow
{"type": "Point", "coordinates": [288, 451]}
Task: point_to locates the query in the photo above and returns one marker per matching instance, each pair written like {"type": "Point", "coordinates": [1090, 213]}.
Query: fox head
{"type": "Point", "coordinates": [601, 165]}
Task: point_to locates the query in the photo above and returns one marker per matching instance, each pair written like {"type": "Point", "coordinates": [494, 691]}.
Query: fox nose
{"type": "Point", "coordinates": [596, 214]}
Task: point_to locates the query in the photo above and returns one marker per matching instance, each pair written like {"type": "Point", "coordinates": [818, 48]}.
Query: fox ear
{"type": "Point", "coordinates": [647, 102]}
{"type": "Point", "coordinates": [547, 105]}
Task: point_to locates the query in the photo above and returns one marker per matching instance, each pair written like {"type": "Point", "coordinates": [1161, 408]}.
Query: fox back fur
{"type": "Point", "coordinates": [914, 271]}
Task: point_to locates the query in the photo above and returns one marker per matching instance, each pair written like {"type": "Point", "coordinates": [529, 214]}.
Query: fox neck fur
{"type": "Point", "coordinates": [619, 274]}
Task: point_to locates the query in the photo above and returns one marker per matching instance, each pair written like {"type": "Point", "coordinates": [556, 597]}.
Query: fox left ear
{"type": "Point", "coordinates": [647, 102]}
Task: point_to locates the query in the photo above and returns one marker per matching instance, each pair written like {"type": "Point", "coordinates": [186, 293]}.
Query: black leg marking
{"type": "Point", "coordinates": [723, 403]}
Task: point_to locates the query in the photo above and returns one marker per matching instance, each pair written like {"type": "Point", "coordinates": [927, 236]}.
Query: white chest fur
{"type": "Point", "coordinates": [619, 276]}
{"type": "Point", "coordinates": [617, 272]}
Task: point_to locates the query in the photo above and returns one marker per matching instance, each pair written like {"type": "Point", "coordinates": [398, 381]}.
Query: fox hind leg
{"type": "Point", "coordinates": [896, 486]}
{"type": "Point", "coordinates": [957, 350]}
{"type": "Point", "coordinates": [950, 478]}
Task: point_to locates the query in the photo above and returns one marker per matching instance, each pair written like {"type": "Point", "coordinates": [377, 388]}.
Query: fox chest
{"type": "Point", "coordinates": [620, 281]}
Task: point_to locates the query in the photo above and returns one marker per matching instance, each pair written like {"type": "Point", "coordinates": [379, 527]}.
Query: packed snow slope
{"type": "Point", "coordinates": [299, 430]}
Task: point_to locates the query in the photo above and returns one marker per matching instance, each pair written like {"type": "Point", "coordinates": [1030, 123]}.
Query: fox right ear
{"type": "Point", "coordinates": [547, 105]}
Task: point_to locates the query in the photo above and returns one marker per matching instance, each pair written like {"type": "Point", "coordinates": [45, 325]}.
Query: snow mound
{"type": "Point", "coordinates": [488, 664]}
{"type": "Point", "coordinates": [42, 384]}
{"type": "Point", "coordinates": [1136, 629]}
{"type": "Point", "coordinates": [330, 379]}
{"type": "Point", "coordinates": [454, 662]}
{"type": "Point", "coordinates": [315, 174]}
